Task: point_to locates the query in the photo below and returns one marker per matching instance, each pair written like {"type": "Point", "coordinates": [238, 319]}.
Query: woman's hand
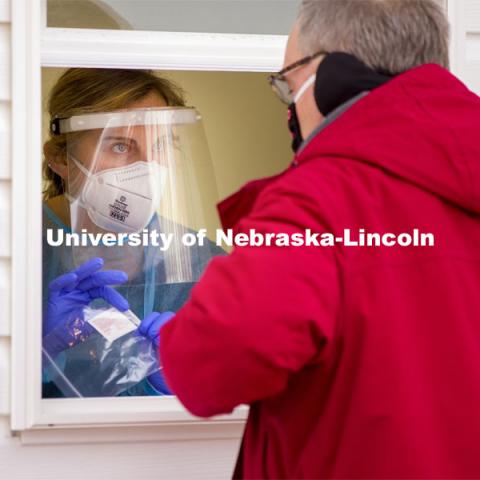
{"type": "Point", "coordinates": [150, 328]}
{"type": "Point", "coordinates": [69, 294]}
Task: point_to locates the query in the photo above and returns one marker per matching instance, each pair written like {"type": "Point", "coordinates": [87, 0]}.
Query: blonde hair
{"type": "Point", "coordinates": [84, 90]}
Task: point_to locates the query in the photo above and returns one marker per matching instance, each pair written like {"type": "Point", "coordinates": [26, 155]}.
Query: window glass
{"type": "Point", "coordinates": [132, 173]}
{"type": "Point", "coordinates": [273, 17]}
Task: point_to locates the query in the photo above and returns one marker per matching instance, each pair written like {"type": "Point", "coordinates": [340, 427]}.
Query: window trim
{"type": "Point", "coordinates": [464, 43]}
{"type": "Point", "coordinates": [456, 12]}
{"type": "Point", "coordinates": [472, 46]}
{"type": "Point", "coordinates": [164, 432]}
{"type": "Point", "coordinates": [112, 411]}
{"type": "Point", "coordinates": [71, 47]}
{"type": "Point", "coordinates": [26, 227]}
{"type": "Point", "coordinates": [31, 415]}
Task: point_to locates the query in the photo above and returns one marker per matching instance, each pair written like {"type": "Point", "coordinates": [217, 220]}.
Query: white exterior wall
{"type": "Point", "coordinates": [5, 219]}
{"type": "Point", "coordinates": [113, 459]}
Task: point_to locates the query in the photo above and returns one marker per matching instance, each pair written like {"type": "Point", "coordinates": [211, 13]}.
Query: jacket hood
{"type": "Point", "coordinates": [423, 127]}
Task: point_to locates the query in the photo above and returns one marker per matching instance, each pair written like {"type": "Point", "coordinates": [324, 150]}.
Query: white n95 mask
{"type": "Point", "coordinates": [123, 199]}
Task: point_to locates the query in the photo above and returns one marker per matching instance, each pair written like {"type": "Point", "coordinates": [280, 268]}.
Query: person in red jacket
{"type": "Point", "coordinates": [356, 361]}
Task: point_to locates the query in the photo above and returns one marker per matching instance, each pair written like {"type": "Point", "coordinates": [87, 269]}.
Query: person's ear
{"type": "Point", "coordinates": [55, 162]}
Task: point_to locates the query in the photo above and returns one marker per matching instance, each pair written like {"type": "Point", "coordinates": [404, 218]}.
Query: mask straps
{"type": "Point", "coordinates": [308, 82]}
{"type": "Point", "coordinates": [83, 170]}
{"type": "Point", "coordinates": [80, 166]}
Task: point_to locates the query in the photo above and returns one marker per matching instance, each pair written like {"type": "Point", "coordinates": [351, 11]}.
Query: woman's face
{"type": "Point", "coordinates": [99, 150]}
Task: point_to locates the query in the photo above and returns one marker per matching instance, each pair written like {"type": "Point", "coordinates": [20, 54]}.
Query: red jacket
{"type": "Point", "coordinates": [357, 362]}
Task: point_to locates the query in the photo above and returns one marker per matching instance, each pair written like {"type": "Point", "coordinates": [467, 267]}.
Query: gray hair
{"type": "Point", "coordinates": [387, 35]}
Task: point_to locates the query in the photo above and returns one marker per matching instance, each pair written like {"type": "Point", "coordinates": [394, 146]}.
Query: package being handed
{"type": "Point", "coordinates": [113, 357]}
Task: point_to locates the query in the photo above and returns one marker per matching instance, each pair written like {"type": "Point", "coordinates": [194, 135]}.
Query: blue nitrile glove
{"type": "Point", "coordinates": [69, 294]}
{"type": "Point", "coordinates": [150, 328]}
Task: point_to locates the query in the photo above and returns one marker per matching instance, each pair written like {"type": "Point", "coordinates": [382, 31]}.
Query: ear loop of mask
{"type": "Point", "coordinates": [80, 166]}
{"type": "Point", "coordinates": [310, 81]}
{"type": "Point", "coordinates": [83, 169]}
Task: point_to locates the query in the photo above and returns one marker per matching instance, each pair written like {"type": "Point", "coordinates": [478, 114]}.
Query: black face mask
{"type": "Point", "coordinates": [340, 77]}
{"type": "Point", "coordinates": [294, 127]}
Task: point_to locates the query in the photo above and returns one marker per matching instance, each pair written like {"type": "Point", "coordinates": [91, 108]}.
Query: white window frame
{"type": "Point", "coordinates": [465, 41]}
{"type": "Point", "coordinates": [35, 46]}
{"type": "Point", "coordinates": [68, 47]}
{"type": "Point", "coordinates": [472, 47]}
{"type": "Point", "coordinates": [456, 10]}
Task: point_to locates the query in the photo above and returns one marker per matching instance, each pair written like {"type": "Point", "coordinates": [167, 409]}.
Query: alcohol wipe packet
{"type": "Point", "coordinates": [110, 359]}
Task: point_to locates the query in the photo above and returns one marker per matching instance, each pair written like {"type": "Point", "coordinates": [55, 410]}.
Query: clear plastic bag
{"type": "Point", "coordinates": [107, 354]}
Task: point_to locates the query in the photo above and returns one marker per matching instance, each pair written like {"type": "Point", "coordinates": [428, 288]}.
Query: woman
{"type": "Point", "coordinates": [111, 160]}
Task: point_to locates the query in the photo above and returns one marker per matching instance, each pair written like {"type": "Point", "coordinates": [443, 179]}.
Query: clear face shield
{"type": "Point", "coordinates": [141, 196]}
{"type": "Point", "coordinates": [146, 177]}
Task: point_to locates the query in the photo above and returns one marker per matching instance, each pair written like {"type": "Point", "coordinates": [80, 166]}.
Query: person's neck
{"type": "Point", "coordinates": [60, 207]}
{"type": "Point", "coordinates": [311, 117]}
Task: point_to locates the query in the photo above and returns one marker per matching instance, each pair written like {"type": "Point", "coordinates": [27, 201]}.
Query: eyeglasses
{"type": "Point", "coordinates": [279, 82]}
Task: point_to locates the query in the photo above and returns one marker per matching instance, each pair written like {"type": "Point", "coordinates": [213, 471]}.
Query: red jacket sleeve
{"type": "Point", "coordinates": [257, 315]}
